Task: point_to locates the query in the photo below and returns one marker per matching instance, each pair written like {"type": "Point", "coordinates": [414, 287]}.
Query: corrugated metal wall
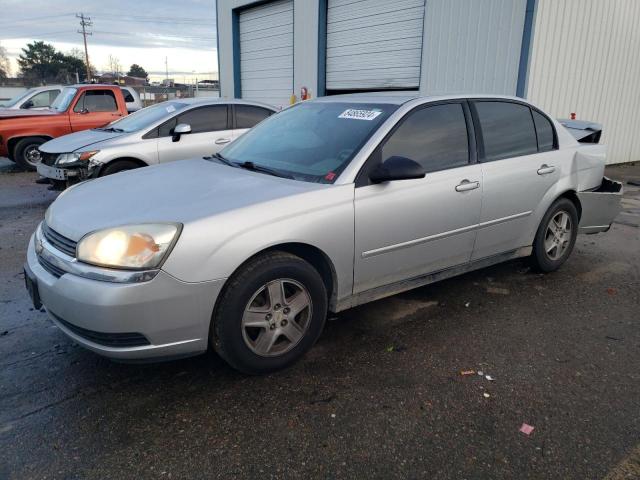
{"type": "Point", "coordinates": [472, 46]}
{"type": "Point", "coordinates": [585, 58]}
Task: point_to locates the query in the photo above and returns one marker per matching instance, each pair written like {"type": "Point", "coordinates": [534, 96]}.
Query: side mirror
{"type": "Point", "coordinates": [179, 130]}
{"type": "Point", "coordinates": [27, 105]}
{"type": "Point", "coordinates": [397, 168]}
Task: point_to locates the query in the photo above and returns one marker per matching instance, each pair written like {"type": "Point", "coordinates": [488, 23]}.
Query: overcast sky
{"type": "Point", "coordinates": [141, 31]}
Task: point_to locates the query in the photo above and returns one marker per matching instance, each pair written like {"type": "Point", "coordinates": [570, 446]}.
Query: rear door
{"type": "Point", "coordinates": [210, 132]}
{"type": "Point", "coordinates": [518, 168]}
{"type": "Point", "coordinates": [407, 228]}
{"type": "Point", "coordinates": [93, 108]}
{"type": "Point", "coordinates": [246, 117]}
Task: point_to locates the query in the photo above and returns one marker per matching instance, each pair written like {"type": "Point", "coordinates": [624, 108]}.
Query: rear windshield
{"type": "Point", "coordinates": [312, 141]}
{"type": "Point", "coordinates": [62, 101]}
{"type": "Point", "coordinates": [146, 117]}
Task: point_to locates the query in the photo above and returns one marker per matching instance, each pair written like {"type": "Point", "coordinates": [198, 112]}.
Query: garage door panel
{"type": "Point", "coordinates": [266, 52]}
{"type": "Point", "coordinates": [374, 44]}
{"type": "Point", "coordinates": [395, 45]}
{"type": "Point", "coordinates": [413, 15]}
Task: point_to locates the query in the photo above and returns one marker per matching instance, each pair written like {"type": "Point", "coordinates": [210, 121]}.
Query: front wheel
{"type": "Point", "coordinates": [271, 312]}
{"type": "Point", "coordinates": [27, 153]}
{"type": "Point", "coordinates": [556, 236]}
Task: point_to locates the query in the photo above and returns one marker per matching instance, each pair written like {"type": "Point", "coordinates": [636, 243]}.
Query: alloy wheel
{"type": "Point", "coordinates": [558, 235]}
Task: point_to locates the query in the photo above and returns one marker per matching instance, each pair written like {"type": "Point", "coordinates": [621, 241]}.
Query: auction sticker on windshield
{"type": "Point", "coordinates": [356, 114]}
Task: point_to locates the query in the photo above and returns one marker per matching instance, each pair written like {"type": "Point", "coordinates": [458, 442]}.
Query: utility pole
{"type": "Point", "coordinates": [84, 23]}
{"type": "Point", "coordinates": [166, 68]}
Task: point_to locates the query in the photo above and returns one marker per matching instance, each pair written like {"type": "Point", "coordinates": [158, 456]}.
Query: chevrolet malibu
{"type": "Point", "coordinates": [329, 204]}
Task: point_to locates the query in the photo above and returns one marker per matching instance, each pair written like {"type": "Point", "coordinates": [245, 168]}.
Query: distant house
{"type": "Point", "coordinates": [122, 79]}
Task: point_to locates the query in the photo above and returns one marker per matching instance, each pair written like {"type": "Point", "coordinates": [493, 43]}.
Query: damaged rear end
{"type": "Point", "coordinates": [599, 196]}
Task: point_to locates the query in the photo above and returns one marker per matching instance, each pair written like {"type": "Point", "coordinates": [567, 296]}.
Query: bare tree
{"type": "Point", "coordinates": [114, 65]}
{"type": "Point", "coordinates": [5, 66]}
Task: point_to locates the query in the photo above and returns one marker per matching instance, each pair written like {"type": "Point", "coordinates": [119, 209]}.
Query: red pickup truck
{"type": "Point", "coordinates": [78, 107]}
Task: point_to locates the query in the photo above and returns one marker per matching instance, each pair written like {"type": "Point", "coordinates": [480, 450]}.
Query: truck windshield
{"type": "Point", "coordinates": [312, 141]}
{"type": "Point", "coordinates": [61, 103]}
{"type": "Point", "coordinates": [14, 101]}
{"type": "Point", "coordinates": [145, 117]}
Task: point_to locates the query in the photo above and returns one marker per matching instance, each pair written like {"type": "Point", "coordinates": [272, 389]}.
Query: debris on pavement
{"type": "Point", "coordinates": [486, 395]}
{"type": "Point", "coordinates": [467, 304]}
{"type": "Point", "coordinates": [612, 291]}
{"type": "Point", "coordinates": [526, 429]}
{"type": "Point", "coordinates": [467, 372]}
{"type": "Point", "coordinates": [498, 291]}
{"type": "Point", "coordinates": [480, 372]}
{"type": "Point", "coordinates": [490, 378]}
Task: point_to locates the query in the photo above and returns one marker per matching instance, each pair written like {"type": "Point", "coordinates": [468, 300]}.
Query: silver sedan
{"type": "Point", "coordinates": [161, 133]}
{"type": "Point", "coordinates": [329, 204]}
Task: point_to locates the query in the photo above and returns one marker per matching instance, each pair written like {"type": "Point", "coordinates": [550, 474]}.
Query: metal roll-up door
{"type": "Point", "coordinates": [266, 52]}
{"type": "Point", "coordinates": [374, 44]}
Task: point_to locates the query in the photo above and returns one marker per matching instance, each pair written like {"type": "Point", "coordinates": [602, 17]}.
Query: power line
{"type": "Point", "coordinates": [84, 23]}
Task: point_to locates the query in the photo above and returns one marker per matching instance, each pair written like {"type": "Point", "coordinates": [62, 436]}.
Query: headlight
{"type": "Point", "coordinates": [130, 246]}
{"type": "Point", "coordinates": [65, 158]}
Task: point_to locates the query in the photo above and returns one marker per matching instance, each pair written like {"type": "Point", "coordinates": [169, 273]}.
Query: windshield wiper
{"type": "Point", "coordinates": [259, 168]}
{"type": "Point", "coordinates": [110, 129]}
{"type": "Point", "coordinates": [222, 159]}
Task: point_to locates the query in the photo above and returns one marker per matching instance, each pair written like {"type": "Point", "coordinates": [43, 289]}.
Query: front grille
{"type": "Point", "coordinates": [117, 340]}
{"type": "Point", "coordinates": [50, 267]}
{"type": "Point", "coordinates": [58, 241]}
{"type": "Point", "coordinates": [48, 158]}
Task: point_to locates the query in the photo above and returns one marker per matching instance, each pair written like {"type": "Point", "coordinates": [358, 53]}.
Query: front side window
{"type": "Point", "coordinates": [127, 96]}
{"type": "Point", "coordinates": [40, 100]}
{"type": "Point", "coordinates": [312, 141]}
{"type": "Point", "coordinates": [205, 119]}
{"type": "Point", "coordinates": [507, 130]}
{"type": "Point", "coordinates": [96, 101]}
{"type": "Point", "coordinates": [434, 136]}
{"type": "Point", "coordinates": [248, 116]}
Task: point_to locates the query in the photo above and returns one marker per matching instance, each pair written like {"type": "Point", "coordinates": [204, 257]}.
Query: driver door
{"type": "Point", "coordinates": [94, 108]}
{"type": "Point", "coordinates": [210, 132]}
{"type": "Point", "coordinates": [408, 228]}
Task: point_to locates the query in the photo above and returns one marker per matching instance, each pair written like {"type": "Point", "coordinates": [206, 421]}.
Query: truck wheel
{"type": "Point", "coordinates": [26, 153]}
{"type": "Point", "coordinates": [556, 236]}
{"type": "Point", "coordinates": [270, 313]}
{"type": "Point", "coordinates": [118, 166]}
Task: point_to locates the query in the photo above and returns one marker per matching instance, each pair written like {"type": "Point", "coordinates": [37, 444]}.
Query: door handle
{"type": "Point", "coordinates": [546, 169]}
{"type": "Point", "coordinates": [222, 141]}
{"type": "Point", "coordinates": [465, 185]}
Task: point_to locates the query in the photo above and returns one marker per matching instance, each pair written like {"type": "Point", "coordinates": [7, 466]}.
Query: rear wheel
{"type": "Point", "coordinates": [272, 311]}
{"type": "Point", "coordinates": [118, 166]}
{"type": "Point", "coordinates": [556, 236]}
{"type": "Point", "coordinates": [27, 153]}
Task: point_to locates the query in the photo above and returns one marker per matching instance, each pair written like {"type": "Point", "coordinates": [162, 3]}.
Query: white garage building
{"type": "Point", "coordinates": [566, 56]}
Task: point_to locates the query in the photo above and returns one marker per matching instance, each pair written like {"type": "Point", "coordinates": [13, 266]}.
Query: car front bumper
{"type": "Point", "coordinates": [151, 320]}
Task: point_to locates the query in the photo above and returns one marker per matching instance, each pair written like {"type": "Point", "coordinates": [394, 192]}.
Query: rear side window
{"type": "Point", "coordinates": [545, 131]}
{"type": "Point", "coordinates": [97, 101]}
{"type": "Point", "coordinates": [204, 119]}
{"type": "Point", "coordinates": [42, 99]}
{"type": "Point", "coordinates": [248, 116]}
{"type": "Point", "coordinates": [435, 137]}
{"type": "Point", "coordinates": [507, 130]}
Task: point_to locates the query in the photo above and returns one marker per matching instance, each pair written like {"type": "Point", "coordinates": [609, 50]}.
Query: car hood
{"type": "Point", "coordinates": [10, 112]}
{"type": "Point", "coordinates": [74, 141]}
{"type": "Point", "coordinates": [183, 191]}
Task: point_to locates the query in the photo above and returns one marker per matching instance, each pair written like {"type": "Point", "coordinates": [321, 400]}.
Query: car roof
{"type": "Point", "coordinates": [399, 98]}
{"type": "Point", "coordinates": [200, 101]}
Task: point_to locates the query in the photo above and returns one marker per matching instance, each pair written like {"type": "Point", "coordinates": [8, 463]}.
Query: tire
{"type": "Point", "coordinates": [246, 302]}
{"type": "Point", "coordinates": [118, 166]}
{"type": "Point", "coordinates": [26, 153]}
{"type": "Point", "coordinates": [553, 245]}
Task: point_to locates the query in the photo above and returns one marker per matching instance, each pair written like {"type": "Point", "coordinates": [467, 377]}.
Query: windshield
{"type": "Point", "coordinates": [62, 101]}
{"type": "Point", "coordinates": [18, 98]}
{"type": "Point", "coordinates": [313, 142]}
{"type": "Point", "coordinates": [145, 117]}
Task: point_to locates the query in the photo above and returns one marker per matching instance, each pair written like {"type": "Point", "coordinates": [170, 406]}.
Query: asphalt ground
{"type": "Point", "coordinates": [380, 396]}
